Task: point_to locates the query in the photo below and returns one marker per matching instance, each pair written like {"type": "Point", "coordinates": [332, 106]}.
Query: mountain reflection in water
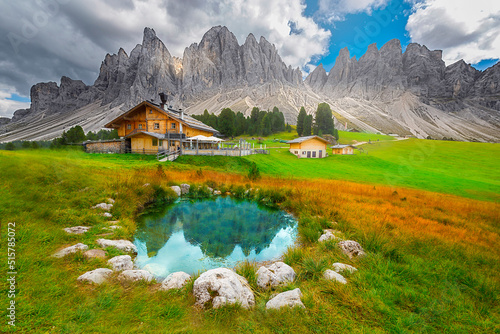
{"type": "Point", "coordinates": [197, 236]}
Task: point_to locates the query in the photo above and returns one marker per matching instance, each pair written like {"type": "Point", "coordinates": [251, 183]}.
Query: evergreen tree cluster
{"type": "Point", "coordinates": [260, 122]}
{"type": "Point", "coordinates": [320, 125]}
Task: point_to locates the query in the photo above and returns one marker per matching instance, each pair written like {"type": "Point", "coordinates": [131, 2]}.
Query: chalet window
{"type": "Point", "coordinates": [172, 126]}
{"type": "Point", "coordinates": [150, 111]}
{"type": "Point", "coordinates": [161, 142]}
{"type": "Point", "coordinates": [296, 152]}
{"type": "Point", "coordinates": [155, 142]}
{"type": "Point", "coordinates": [157, 126]}
{"type": "Point", "coordinates": [303, 152]}
{"type": "Point", "coordinates": [314, 154]}
{"type": "Point", "coordinates": [140, 126]}
{"type": "Point", "coordinates": [129, 126]}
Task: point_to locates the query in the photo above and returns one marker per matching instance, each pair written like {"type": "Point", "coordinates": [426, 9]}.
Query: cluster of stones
{"type": "Point", "coordinates": [215, 287]}
{"type": "Point", "coordinates": [349, 247]}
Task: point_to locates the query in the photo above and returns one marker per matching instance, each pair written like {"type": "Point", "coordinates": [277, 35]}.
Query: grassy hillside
{"type": "Point", "coordinates": [432, 263]}
{"type": "Point", "coordinates": [464, 169]}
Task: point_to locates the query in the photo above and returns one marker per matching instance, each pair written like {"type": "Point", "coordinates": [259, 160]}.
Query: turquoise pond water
{"type": "Point", "coordinates": [197, 236]}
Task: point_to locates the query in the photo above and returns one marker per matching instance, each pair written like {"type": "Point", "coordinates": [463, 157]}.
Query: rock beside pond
{"type": "Point", "coordinates": [217, 192]}
{"type": "Point", "coordinates": [95, 254]}
{"type": "Point", "coordinates": [96, 276]}
{"type": "Point", "coordinates": [107, 215]}
{"type": "Point", "coordinates": [123, 245]}
{"type": "Point", "coordinates": [334, 276]}
{"type": "Point", "coordinates": [290, 298]}
{"type": "Point", "coordinates": [156, 269]}
{"type": "Point", "coordinates": [177, 190]}
{"type": "Point", "coordinates": [77, 229]}
{"type": "Point", "coordinates": [340, 267]}
{"type": "Point", "coordinates": [351, 248]}
{"type": "Point", "coordinates": [103, 206]}
{"type": "Point", "coordinates": [222, 286]}
{"type": "Point", "coordinates": [329, 235]}
{"type": "Point", "coordinates": [185, 188]}
{"type": "Point", "coordinates": [175, 281]}
{"type": "Point", "coordinates": [121, 262]}
{"type": "Point", "coordinates": [70, 250]}
{"type": "Point", "coordinates": [135, 275]}
{"type": "Point", "coordinates": [275, 274]}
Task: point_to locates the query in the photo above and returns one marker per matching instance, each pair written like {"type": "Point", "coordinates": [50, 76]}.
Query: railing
{"type": "Point", "coordinates": [166, 153]}
{"type": "Point", "coordinates": [259, 151]}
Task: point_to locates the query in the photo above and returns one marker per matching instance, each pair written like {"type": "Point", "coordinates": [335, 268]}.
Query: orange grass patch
{"type": "Point", "coordinates": [403, 213]}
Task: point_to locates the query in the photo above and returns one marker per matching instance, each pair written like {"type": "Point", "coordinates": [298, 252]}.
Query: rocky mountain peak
{"type": "Point", "coordinates": [317, 78]}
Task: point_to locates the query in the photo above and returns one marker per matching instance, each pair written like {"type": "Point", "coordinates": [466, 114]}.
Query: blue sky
{"type": "Point", "coordinates": [71, 38]}
{"type": "Point", "coordinates": [356, 31]}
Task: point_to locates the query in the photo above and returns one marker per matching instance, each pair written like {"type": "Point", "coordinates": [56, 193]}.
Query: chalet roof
{"type": "Point", "coordinates": [152, 134]}
{"type": "Point", "coordinates": [303, 139]}
{"type": "Point", "coordinates": [175, 114]}
{"type": "Point", "coordinates": [342, 146]}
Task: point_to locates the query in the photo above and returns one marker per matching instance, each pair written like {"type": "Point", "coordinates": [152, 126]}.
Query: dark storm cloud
{"type": "Point", "coordinates": [42, 40]}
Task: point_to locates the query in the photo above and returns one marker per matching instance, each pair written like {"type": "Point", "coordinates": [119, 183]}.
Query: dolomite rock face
{"type": "Point", "coordinates": [290, 299]}
{"type": "Point", "coordinates": [222, 286]}
{"type": "Point", "coordinates": [274, 275]}
{"type": "Point", "coordinates": [386, 90]}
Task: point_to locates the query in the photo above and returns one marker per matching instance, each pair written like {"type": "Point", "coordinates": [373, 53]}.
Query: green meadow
{"type": "Point", "coordinates": [459, 168]}
{"type": "Point", "coordinates": [432, 263]}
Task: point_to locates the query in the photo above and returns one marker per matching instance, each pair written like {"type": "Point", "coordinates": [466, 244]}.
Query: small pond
{"type": "Point", "coordinates": [196, 236]}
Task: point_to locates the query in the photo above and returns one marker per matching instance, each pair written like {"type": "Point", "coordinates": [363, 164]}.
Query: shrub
{"type": "Point", "coordinates": [313, 268]}
{"type": "Point", "coordinates": [254, 173]}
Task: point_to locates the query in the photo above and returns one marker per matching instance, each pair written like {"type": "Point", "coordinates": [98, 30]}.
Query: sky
{"type": "Point", "coordinates": [42, 40]}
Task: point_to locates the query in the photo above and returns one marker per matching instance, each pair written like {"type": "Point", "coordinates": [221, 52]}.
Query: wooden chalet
{"type": "Point", "coordinates": [343, 149]}
{"type": "Point", "coordinates": [150, 128]}
{"type": "Point", "coordinates": [308, 147]}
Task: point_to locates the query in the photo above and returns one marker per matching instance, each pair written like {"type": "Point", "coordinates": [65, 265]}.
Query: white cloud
{"type": "Point", "coordinates": [7, 106]}
{"type": "Point", "coordinates": [335, 10]}
{"type": "Point", "coordinates": [466, 30]}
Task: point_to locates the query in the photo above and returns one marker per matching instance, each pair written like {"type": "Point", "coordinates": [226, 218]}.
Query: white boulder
{"type": "Point", "coordinates": [222, 286]}
{"type": "Point", "coordinates": [135, 275]}
{"type": "Point", "coordinates": [95, 254]}
{"type": "Point", "coordinates": [121, 262]}
{"type": "Point", "coordinates": [275, 274]}
{"type": "Point", "coordinates": [70, 250]}
{"type": "Point", "coordinates": [107, 215]}
{"type": "Point", "coordinates": [103, 206]}
{"type": "Point", "coordinates": [123, 245]}
{"type": "Point", "coordinates": [77, 229]}
{"type": "Point", "coordinates": [329, 235]}
{"type": "Point", "coordinates": [177, 190]}
{"type": "Point", "coordinates": [217, 192]}
{"type": "Point", "coordinates": [351, 248]}
{"type": "Point", "coordinates": [185, 188]}
{"type": "Point", "coordinates": [334, 276]}
{"type": "Point", "coordinates": [175, 281]}
{"type": "Point", "coordinates": [340, 267]}
{"type": "Point", "coordinates": [286, 299]}
{"type": "Point", "coordinates": [96, 276]}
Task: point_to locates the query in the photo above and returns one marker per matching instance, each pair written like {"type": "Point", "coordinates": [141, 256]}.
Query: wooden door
{"type": "Point", "coordinates": [320, 154]}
